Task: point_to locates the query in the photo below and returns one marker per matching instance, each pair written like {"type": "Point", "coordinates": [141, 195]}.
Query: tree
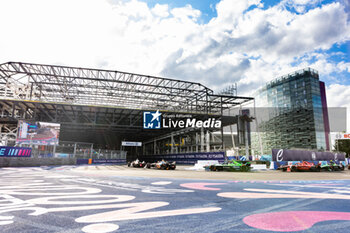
{"type": "Point", "coordinates": [343, 146]}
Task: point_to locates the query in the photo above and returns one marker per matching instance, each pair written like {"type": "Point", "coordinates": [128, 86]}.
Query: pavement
{"type": "Point", "coordinates": [121, 199]}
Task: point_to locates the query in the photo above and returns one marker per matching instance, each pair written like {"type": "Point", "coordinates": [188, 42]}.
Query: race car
{"type": "Point", "coordinates": [332, 166]}
{"type": "Point", "coordinates": [137, 163]}
{"type": "Point", "coordinates": [303, 166]}
{"type": "Point", "coordinates": [233, 165]}
{"type": "Point", "coordinates": [163, 165]}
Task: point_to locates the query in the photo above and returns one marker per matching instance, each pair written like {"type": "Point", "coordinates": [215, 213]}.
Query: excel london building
{"type": "Point", "coordinates": [292, 113]}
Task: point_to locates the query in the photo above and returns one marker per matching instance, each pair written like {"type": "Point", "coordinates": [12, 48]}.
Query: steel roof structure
{"type": "Point", "coordinates": [83, 98]}
{"type": "Point", "coordinates": [82, 86]}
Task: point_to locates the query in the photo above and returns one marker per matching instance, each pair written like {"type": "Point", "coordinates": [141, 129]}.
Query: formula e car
{"type": "Point", "coordinates": [240, 166]}
{"type": "Point", "coordinates": [332, 166]}
{"type": "Point", "coordinates": [163, 165]}
{"type": "Point", "coordinates": [137, 163]}
{"type": "Point", "coordinates": [303, 166]}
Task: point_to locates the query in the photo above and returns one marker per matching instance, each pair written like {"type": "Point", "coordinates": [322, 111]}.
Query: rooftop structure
{"type": "Point", "coordinates": [104, 106]}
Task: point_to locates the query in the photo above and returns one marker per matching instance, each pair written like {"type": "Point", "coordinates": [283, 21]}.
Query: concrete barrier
{"type": "Point", "coordinates": [259, 167]}
{"type": "Point", "coordinates": [34, 162]}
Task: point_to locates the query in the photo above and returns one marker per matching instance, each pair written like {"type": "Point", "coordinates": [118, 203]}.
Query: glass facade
{"type": "Point", "coordinates": [295, 117]}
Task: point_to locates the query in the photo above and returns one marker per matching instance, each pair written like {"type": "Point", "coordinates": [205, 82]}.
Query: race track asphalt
{"type": "Point", "coordinates": [121, 199]}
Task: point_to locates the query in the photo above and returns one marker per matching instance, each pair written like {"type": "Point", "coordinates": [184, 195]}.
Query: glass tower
{"type": "Point", "coordinates": [294, 113]}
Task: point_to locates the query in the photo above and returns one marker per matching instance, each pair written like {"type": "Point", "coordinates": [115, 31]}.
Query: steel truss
{"type": "Point", "coordinates": [90, 100]}
{"type": "Point", "coordinates": [62, 84]}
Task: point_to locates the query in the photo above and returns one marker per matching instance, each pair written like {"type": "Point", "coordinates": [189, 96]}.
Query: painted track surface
{"type": "Point", "coordinates": [61, 199]}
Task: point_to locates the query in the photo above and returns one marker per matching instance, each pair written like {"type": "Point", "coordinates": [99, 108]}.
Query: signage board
{"type": "Point", "coordinates": [342, 136]}
{"type": "Point", "coordinates": [125, 143]}
{"type": "Point", "coordinates": [37, 133]}
{"type": "Point", "coordinates": [7, 151]}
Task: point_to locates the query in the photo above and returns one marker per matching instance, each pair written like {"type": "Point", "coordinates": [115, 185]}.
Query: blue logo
{"type": "Point", "coordinates": [151, 120]}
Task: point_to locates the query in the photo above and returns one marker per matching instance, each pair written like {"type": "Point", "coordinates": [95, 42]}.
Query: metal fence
{"type": "Point", "coordinates": [79, 150]}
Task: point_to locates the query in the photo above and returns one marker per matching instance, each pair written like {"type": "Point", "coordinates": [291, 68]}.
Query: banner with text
{"type": "Point", "coordinates": [186, 158]}
{"type": "Point", "coordinates": [102, 161]}
{"type": "Point", "coordinates": [305, 155]}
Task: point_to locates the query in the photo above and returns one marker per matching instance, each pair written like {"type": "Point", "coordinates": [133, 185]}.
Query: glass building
{"type": "Point", "coordinates": [292, 113]}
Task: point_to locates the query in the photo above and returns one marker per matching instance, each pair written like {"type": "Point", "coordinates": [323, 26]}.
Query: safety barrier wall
{"type": "Point", "coordinates": [280, 155]}
{"type": "Point", "coordinates": [33, 162]}
{"type": "Point", "coordinates": [186, 158]}
{"type": "Point", "coordinates": [276, 165]}
{"type": "Point", "coordinates": [101, 161]}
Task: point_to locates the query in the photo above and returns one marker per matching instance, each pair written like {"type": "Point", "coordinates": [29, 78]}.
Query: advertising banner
{"type": "Point", "coordinates": [7, 151]}
{"type": "Point", "coordinates": [188, 158]}
{"type": "Point", "coordinates": [276, 165]}
{"type": "Point", "coordinates": [37, 133]}
{"type": "Point", "coordinates": [305, 155]}
{"type": "Point", "coordinates": [101, 161]}
{"type": "Point", "coordinates": [114, 161]}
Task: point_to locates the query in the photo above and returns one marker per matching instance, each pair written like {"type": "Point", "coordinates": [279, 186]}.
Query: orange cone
{"type": "Point", "coordinates": [288, 169]}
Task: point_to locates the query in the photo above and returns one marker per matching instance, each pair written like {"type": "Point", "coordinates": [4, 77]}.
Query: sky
{"type": "Point", "coordinates": [214, 42]}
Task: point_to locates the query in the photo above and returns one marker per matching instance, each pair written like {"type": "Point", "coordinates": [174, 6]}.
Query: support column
{"type": "Point", "coordinates": [202, 140]}
{"type": "Point", "coordinates": [196, 142]}
{"type": "Point", "coordinates": [208, 141]}
{"type": "Point", "coordinates": [232, 136]}
{"type": "Point", "coordinates": [246, 140]}
{"type": "Point", "coordinates": [154, 147]}
{"type": "Point", "coordinates": [75, 150]}
{"type": "Point", "coordinates": [222, 139]}
{"type": "Point", "coordinates": [91, 148]}
{"type": "Point", "coordinates": [54, 150]}
{"type": "Point", "coordinates": [172, 144]}
{"type": "Point", "coordinates": [258, 131]}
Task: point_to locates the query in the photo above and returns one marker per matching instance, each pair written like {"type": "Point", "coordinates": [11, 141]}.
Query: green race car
{"type": "Point", "coordinates": [332, 166]}
{"type": "Point", "coordinates": [239, 166]}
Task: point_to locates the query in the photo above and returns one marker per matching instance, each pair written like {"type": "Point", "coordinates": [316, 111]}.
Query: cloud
{"type": "Point", "coordinates": [301, 6]}
{"type": "Point", "coordinates": [339, 96]}
{"type": "Point", "coordinates": [246, 43]}
{"type": "Point", "coordinates": [186, 13]}
{"type": "Point", "coordinates": [161, 10]}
